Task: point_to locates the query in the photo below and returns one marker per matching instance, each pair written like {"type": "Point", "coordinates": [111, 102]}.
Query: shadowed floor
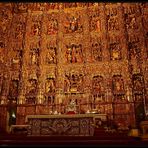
{"type": "Point", "coordinates": [100, 138]}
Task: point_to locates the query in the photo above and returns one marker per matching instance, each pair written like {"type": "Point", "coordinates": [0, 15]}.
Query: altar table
{"type": "Point", "coordinates": [65, 125]}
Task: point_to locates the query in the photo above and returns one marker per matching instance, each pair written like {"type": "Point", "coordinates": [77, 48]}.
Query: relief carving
{"type": "Point", "coordinates": [114, 48]}
{"type": "Point", "coordinates": [50, 85]}
{"type": "Point", "coordinates": [115, 53]}
{"type": "Point", "coordinates": [36, 6]}
{"type": "Point", "coordinates": [113, 24]}
{"type": "Point", "coordinates": [5, 17]}
{"type": "Point", "coordinates": [131, 22]}
{"type": "Point", "coordinates": [118, 84]}
{"type": "Point", "coordinates": [34, 53]}
{"type": "Point", "coordinates": [51, 57]}
{"type": "Point", "coordinates": [17, 58]}
{"type": "Point", "coordinates": [94, 20]}
{"type": "Point", "coordinates": [112, 19]}
{"type": "Point", "coordinates": [73, 82]}
{"type": "Point", "coordinates": [36, 25]}
{"type": "Point", "coordinates": [134, 53]}
{"type": "Point", "coordinates": [52, 25]}
{"type": "Point", "coordinates": [20, 7]}
{"type": "Point", "coordinates": [96, 49]}
{"type": "Point", "coordinates": [97, 90]}
{"type": "Point", "coordinates": [52, 6]}
{"type": "Point", "coordinates": [32, 86]}
{"type": "Point", "coordinates": [73, 23]}
{"type": "Point", "coordinates": [137, 83]}
{"type": "Point", "coordinates": [131, 10]}
{"type": "Point", "coordinates": [19, 25]}
{"type": "Point", "coordinates": [74, 53]}
{"type": "Point", "coordinates": [97, 84]}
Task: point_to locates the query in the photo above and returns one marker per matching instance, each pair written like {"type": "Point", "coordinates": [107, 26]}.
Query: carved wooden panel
{"type": "Point", "coordinates": [94, 20]}
{"type": "Point", "coordinates": [52, 24]}
{"type": "Point", "coordinates": [118, 84]}
{"type": "Point", "coordinates": [36, 25]}
{"type": "Point", "coordinates": [112, 18]}
{"type": "Point", "coordinates": [73, 23]}
{"type": "Point", "coordinates": [61, 126]}
{"type": "Point", "coordinates": [96, 48]}
{"type": "Point", "coordinates": [52, 49]}
{"type": "Point", "coordinates": [115, 48]}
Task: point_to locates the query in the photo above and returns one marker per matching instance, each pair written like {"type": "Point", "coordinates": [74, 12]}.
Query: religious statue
{"type": "Point", "coordinates": [34, 57]}
{"type": "Point", "coordinates": [50, 85]}
{"type": "Point", "coordinates": [32, 86]}
{"type": "Point", "coordinates": [72, 108]}
{"type": "Point", "coordinates": [5, 18]}
{"type": "Point", "coordinates": [118, 84]}
{"type": "Point", "coordinates": [78, 53]}
{"type": "Point", "coordinates": [95, 23]}
{"type": "Point", "coordinates": [112, 21]}
{"type": "Point", "coordinates": [69, 55]}
{"type": "Point", "coordinates": [36, 29]}
{"type": "Point", "coordinates": [131, 22]}
{"type": "Point", "coordinates": [97, 51]}
{"type": "Point", "coordinates": [97, 84]}
{"type": "Point", "coordinates": [51, 55]}
{"type": "Point", "coordinates": [115, 51]}
{"type": "Point", "coordinates": [52, 27]}
{"type": "Point", "coordinates": [22, 6]}
{"type": "Point", "coordinates": [137, 83]}
{"type": "Point", "coordinates": [17, 58]}
{"type": "Point", "coordinates": [36, 25]}
{"type": "Point", "coordinates": [73, 24]}
{"type": "Point", "coordinates": [74, 53]}
{"type": "Point", "coordinates": [66, 85]}
{"type": "Point", "coordinates": [74, 82]}
{"type": "Point", "coordinates": [19, 30]}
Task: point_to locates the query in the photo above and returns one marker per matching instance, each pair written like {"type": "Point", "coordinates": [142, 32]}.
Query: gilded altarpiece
{"type": "Point", "coordinates": [91, 53]}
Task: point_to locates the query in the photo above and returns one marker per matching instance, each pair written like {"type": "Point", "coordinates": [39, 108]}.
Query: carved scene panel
{"type": "Point", "coordinates": [94, 20]}
{"type": "Point", "coordinates": [134, 49]}
{"type": "Point", "coordinates": [73, 82]}
{"type": "Point", "coordinates": [36, 25]}
{"type": "Point", "coordinates": [20, 7]}
{"type": "Point", "coordinates": [131, 17]}
{"type": "Point", "coordinates": [52, 24]}
{"type": "Point", "coordinates": [17, 59]}
{"type": "Point", "coordinates": [5, 20]}
{"type": "Point", "coordinates": [19, 26]}
{"type": "Point", "coordinates": [96, 49]}
{"type": "Point", "coordinates": [115, 48]}
{"type": "Point", "coordinates": [137, 83]}
{"type": "Point", "coordinates": [72, 22]}
{"type": "Point", "coordinates": [74, 53]}
{"type": "Point", "coordinates": [51, 56]}
{"type": "Point", "coordinates": [112, 14]}
{"type": "Point", "coordinates": [34, 53]}
{"type": "Point", "coordinates": [118, 84]}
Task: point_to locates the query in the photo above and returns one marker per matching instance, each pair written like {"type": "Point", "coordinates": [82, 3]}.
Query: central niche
{"type": "Point", "coordinates": [73, 82]}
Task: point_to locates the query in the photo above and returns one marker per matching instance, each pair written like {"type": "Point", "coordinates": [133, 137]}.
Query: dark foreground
{"type": "Point", "coordinates": [102, 139]}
